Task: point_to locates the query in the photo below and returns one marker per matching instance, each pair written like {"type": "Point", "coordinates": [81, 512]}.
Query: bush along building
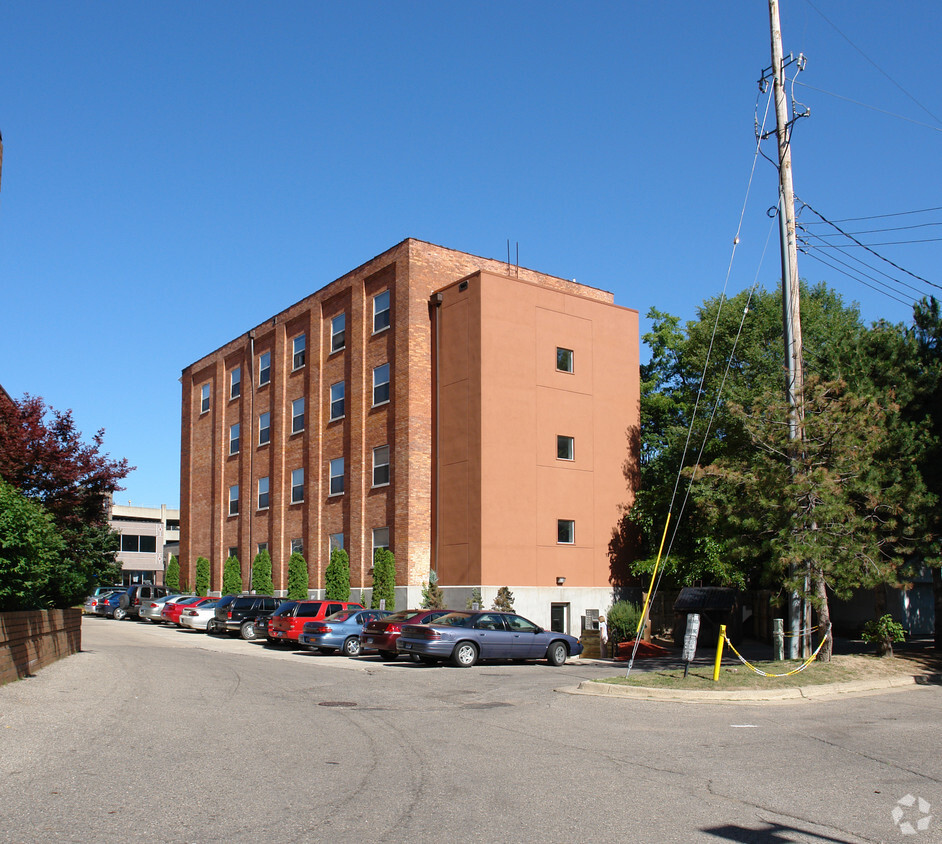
{"type": "Point", "coordinates": [468, 415]}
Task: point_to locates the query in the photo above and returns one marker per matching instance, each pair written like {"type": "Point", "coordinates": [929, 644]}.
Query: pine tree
{"type": "Point", "coordinates": [337, 576]}
{"type": "Point", "coordinates": [202, 576]}
{"type": "Point", "coordinates": [475, 598]}
{"type": "Point", "coordinates": [297, 577]}
{"type": "Point", "coordinates": [384, 579]}
{"type": "Point", "coordinates": [504, 600]}
{"type": "Point", "coordinates": [172, 575]}
{"type": "Point", "coordinates": [432, 596]}
{"type": "Point", "coordinates": [261, 574]}
{"type": "Point", "coordinates": [231, 577]}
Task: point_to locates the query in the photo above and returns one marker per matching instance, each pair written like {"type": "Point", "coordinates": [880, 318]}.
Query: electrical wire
{"type": "Point", "coordinates": [868, 106]}
{"type": "Point", "coordinates": [873, 216]}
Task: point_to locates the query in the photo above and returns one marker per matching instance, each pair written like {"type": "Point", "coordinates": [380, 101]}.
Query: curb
{"type": "Point", "coordinates": [793, 694]}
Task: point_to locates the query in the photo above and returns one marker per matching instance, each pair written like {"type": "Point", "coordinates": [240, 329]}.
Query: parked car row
{"type": "Point", "coordinates": [460, 637]}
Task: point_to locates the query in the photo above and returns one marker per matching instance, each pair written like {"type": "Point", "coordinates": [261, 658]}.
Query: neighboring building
{"type": "Point", "coordinates": [145, 534]}
{"type": "Point", "coordinates": [470, 415]}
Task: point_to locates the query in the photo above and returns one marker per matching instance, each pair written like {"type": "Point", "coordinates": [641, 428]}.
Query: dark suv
{"type": "Point", "coordinates": [129, 604]}
{"type": "Point", "coordinates": [237, 614]}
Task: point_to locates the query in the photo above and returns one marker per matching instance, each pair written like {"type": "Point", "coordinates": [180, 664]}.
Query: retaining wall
{"type": "Point", "coordinates": [31, 640]}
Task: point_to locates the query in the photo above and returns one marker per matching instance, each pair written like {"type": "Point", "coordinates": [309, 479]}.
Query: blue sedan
{"type": "Point", "coordinates": [339, 632]}
{"type": "Point", "coordinates": [466, 637]}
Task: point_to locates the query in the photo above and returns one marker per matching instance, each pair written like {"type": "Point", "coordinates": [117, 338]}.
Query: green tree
{"type": "Point", "coordinates": [337, 576]}
{"type": "Point", "coordinates": [475, 598]}
{"type": "Point", "coordinates": [504, 600]}
{"type": "Point", "coordinates": [172, 575]}
{"type": "Point", "coordinates": [261, 574]}
{"type": "Point", "coordinates": [202, 576]}
{"type": "Point", "coordinates": [297, 577]}
{"type": "Point", "coordinates": [432, 596]}
{"type": "Point", "coordinates": [384, 579]}
{"type": "Point", "coordinates": [30, 552]}
{"type": "Point", "coordinates": [231, 577]}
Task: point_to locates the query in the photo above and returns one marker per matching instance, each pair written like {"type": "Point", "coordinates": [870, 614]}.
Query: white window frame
{"type": "Point", "coordinates": [572, 531]}
{"type": "Point", "coordinates": [341, 333]}
{"type": "Point", "coordinates": [235, 383]}
{"type": "Point", "coordinates": [335, 472]}
{"type": "Point", "coordinates": [560, 438]}
{"type": "Point", "coordinates": [379, 312]}
{"type": "Point", "coordinates": [264, 365]}
{"type": "Point", "coordinates": [572, 360]}
{"type": "Point", "coordinates": [266, 428]}
{"type": "Point", "coordinates": [341, 400]}
{"type": "Point", "coordinates": [204, 398]}
{"type": "Point", "coordinates": [297, 486]}
{"type": "Point", "coordinates": [234, 500]}
{"type": "Point", "coordinates": [377, 385]}
{"type": "Point", "coordinates": [297, 413]}
{"type": "Point", "coordinates": [234, 439]}
{"type": "Point", "coordinates": [298, 353]}
{"type": "Point", "coordinates": [381, 465]}
{"type": "Point", "coordinates": [264, 489]}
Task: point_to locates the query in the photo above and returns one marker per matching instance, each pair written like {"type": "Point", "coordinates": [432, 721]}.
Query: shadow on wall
{"type": "Point", "coordinates": [626, 536]}
{"type": "Point", "coordinates": [31, 640]}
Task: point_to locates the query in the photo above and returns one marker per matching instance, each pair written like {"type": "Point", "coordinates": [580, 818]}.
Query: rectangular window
{"type": "Point", "coordinates": [334, 543]}
{"type": "Point", "coordinates": [297, 416]}
{"type": "Point", "coordinates": [297, 546]}
{"type": "Point", "coordinates": [380, 539]}
{"type": "Point", "coordinates": [264, 428]}
{"type": "Point", "coordinates": [381, 465]}
{"type": "Point", "coordinates": [233, 551]}
{"type": "Point", "coordinates": [336, 476]}
{"type": "Point", "coordinates": [336, 401]}
{"type": "Point", "coordinates": [381, 311]}
{"type": "Point", "coordinates": [234, 500]}
{"type": "Point", "coordinates": [565, 448]}
{"type": "Point", "coordinates": [297, 486]}
{"type": "Point", "coordinates": [234, 438]}
{"type": "Point", "coordinates": [130, 542]}
{"type": "Point", "coordinates": [204, 398]}
{"type": "Point", "coordinates": [565, 531]}
{"type": "Point", "coordinates": [263, 493]}
{"type": "Point", "coordinates": [563, 359]}
{"type": "Point", "coordinates": [235, 383]}
{"type": "Point", "coordinates": [338, 330]}
{"type": "Point", "coordinates": [264, 368]}
{"type": "Point", "coordinates": [148, 544]}
{"type": "Point", "coordinates": [298, 349]}
{"type": "Point", "coordinates": [262, 546]}
{"type": "Point", "coordinates": [381, 384]}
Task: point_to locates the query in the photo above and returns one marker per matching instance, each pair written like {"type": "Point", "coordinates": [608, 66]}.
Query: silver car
{"type": "Point", "coordinates": [150, 609]}
{"type": "Point", "coordinates": [196, 618]}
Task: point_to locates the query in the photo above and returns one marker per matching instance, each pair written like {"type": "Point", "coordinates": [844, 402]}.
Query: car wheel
{"type": "Point", "coordinates": [416, 657]}
{"type": "Point", "coordinates": [557, 653]}
{"type": "Point", "coordinates": [211, 628]}
{"type": "Point", "coordinates": [351, 647]}
{"type": "Point", "coordinates": [247, 631]}
{"type": "Point", "coordinates": [391, 655]}
{"type": "Point", "coordinates": [464, 655]}
{"type": "Point", "coordinates": [119, 614]}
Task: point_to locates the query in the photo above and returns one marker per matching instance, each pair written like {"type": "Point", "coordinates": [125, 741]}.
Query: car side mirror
{"type": "Point", "coordinates": [538, 630]}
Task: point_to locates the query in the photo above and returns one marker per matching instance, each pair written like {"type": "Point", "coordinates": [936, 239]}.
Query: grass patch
{"type": "Point", "coordinates": [841, 669]}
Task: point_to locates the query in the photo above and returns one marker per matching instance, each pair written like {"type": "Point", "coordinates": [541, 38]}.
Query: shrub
{"type": "Point", "coordinates": [504, 601]}
{"type": "Point", "coordinates": [432, 596]}
{"type": "Point", "coordinates": [231, 577]}
{"type": "Point", "coordinates": [261, 574]}
{"type": "Point", "coordinates": [297, 577]}
{"type": "Point", "coordinates": [172, 575]}
{"type": "Point", "coordinates": [622, 619]}
{"type": "Point", "coordinates": [384, 579]}
{"type": "Point", "coordinates": [475, 598]}
{"type": "Point", "coordinates": [202, 576]}
{"type": "Point", "coordinates": [337, 576]}
{"type": "Point", "coordinates": [883, 632]}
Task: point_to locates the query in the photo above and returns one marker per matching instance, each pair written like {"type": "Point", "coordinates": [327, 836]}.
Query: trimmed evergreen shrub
{"type": "Point", "coordinates": [172, 575]}
{"type": "Point", "coordinates": [297, 577]}
{"type": "Point", "coordinates": [504, 600]}
{"type": "Point", "coordinates": [202, 576]}
{"type": "Point", "coordinates": [337, 576]}
{"type": "Point", "coordinates": [622, 619]}
{"type": "Point", "coordinates": [475, 598]}
{"type": "Point", "coordinates": [231, 577]}
{"type": "Point", "coordinates": [432, 596]}
{"type": "Point", "coordinates": [261, 574]}
{"type": "Point", "coordinates": [384, 579]}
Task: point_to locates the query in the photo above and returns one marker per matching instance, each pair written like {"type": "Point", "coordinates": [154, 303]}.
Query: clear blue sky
{"type": "Point", "coordinates": [176, 172]}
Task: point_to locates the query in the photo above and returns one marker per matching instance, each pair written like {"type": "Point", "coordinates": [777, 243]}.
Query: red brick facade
{"type": "Point", "coordinates": [410, 272]}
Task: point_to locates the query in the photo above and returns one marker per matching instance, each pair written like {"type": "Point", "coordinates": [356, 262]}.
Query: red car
{"type": "Point", "coordinates": [381, 634]}
{"type": "Point", "coordinates": [288, 622]}
{"type": "Point", "coordinates": [171, 612]}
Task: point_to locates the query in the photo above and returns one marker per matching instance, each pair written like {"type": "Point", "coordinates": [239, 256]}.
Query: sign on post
{"type": "Point", "coordinates": [690, 640]}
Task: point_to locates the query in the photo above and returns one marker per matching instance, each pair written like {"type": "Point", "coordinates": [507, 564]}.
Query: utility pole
{"type": "Point", "coordinates": [791, 314]}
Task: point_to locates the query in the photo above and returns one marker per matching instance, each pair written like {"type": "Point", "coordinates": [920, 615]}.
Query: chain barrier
{"type": "Point", "coordinates": [800, 632]}
{"type": "Point", "coordinates": [801, 667]}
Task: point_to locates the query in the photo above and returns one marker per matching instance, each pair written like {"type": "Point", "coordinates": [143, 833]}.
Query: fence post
{"type": "Point", "coordinates": [778, 639]}
{"type": "Point", "coordinates": [719, 653]}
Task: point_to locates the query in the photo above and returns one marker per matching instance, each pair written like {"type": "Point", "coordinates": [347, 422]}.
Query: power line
{"type": "Point", "coordinates": [878, 231]}
{"type": "Point", "coordinates": [867, 105]}
{"type": "Point", "coordinates": [873, 216]}
{"type": "Point", "coordinates": [884, 243]}
{"type": "Point", "coordinates": [860, 281]}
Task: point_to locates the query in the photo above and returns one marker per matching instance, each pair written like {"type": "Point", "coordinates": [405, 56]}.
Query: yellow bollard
{"type": "Point", "coordinates": [719, 653]}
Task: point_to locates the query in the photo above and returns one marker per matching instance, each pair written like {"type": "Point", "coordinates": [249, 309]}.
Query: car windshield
{"type": "Point", "coordinates": [343, 615]}
{"type": "Point", "coordinates": [456, 619]}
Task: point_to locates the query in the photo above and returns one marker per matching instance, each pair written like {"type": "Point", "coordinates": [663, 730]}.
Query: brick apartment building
{"type": "Point", "coordinates": [470, 415]}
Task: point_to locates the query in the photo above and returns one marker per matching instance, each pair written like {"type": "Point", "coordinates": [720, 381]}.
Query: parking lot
{"type": "Point", "coordinates": [155, 733]}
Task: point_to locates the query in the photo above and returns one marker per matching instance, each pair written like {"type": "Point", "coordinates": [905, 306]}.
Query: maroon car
{"type": "Point", "coordinates": [381, 634]}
